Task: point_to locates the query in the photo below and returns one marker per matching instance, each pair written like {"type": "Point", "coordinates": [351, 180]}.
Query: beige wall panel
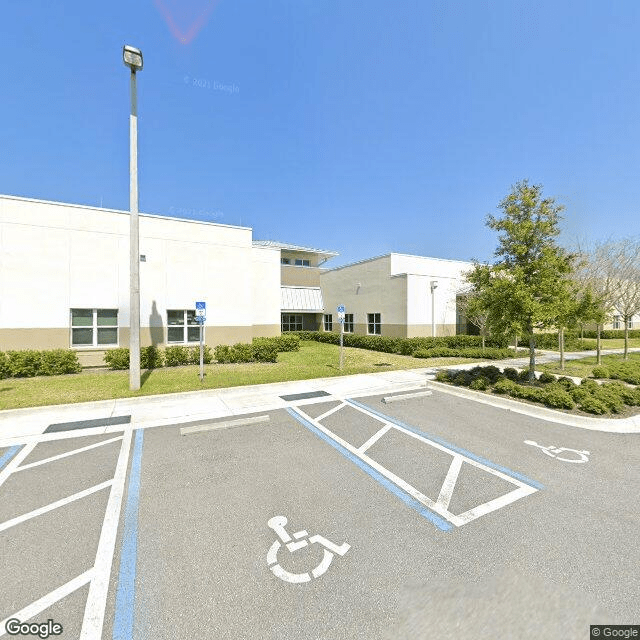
{"type": "Point", "coordinates": [299, 276]}
{"type": "Point", "coordinates": [378, 292]}
{"type": "Point", "coordinates": [266, 330]}
{"type": "Point", "coordinates": [22, 339]}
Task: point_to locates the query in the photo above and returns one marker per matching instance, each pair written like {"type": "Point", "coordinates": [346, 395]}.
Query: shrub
{"type": "Point", "coordinates": [285, 342]}
{"type": "Point", "coordinates": [523, 376]}
{"type": "Point", "coordinates": [5, 369]}
{"type": "Point", "coordinates": [504, 386]}
{"type": "Point", "coordinates": [176, 355]}
{"type": "Point", "coordinates": [442, 376]}
{"type": "Point", "coordinates": [265, 352]}
{"type": "Point", "coordinates": [117, 358]}
{"type": "Point", "coordinates": [600, 372]}
{"type": "Point", "coordinates": [222, 353]}
{"type": "Point", "coordinates": [462, 379]}
{"type": "Point", "coordinates": [193, 355]}
{"type": "Point", "coordinates": [558, 398]}
{"type": "Point", "coordinates": [480, 384]}
{"type": "Point", "coordinates": [546, 378]}
{"type": "Point", "coordinates": [528, 393]}
{"type": "Point", "coordinates": [593, 405]}
{"type": "Point", "coordinates": [58, 362]}
{"type": "Point", "coordinates": [566, 383]}
{"type": "Point", "coordinates": [510, 373]}
{"type": "Point", "coordinates": [579, 394]}
{"type": "Point", "coordinates": [24, 364]}
{"type": "Point", "coordinates": [612, 333]}
{"type": "Point", "coordinates": [151, 357]}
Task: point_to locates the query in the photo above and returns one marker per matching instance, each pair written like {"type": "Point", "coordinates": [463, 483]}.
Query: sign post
{"type": "Point", "coordinates": [341, 321]}
{"type": "Point", "coordinates": [201, 310]}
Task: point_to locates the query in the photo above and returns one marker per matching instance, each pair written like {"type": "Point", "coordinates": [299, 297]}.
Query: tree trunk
{"type": "Point", "coordinates": [626, 337]}
{"type": "Point", "coordinates": [581, 332]}
{"type": "Point", "coordinates": [516, 345]}
{"type": "Point", "coordinates": [598, 354]}
{"type": "Point", "coordinates": [532, 357]}
{"type": "Point", "coordinates": [483, 341]}
{"type": "Point", "coordinates": [561, 341]}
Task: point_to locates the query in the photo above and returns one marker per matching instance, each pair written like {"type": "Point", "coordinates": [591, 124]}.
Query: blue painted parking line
{"type": "Point", "coordinates": [453, 447]}
{"type": "Point", "coordinates": [6, 457]}
{"type": "Point", "coordinates": [125, 595]}
{"type": "Point", "coordinates": [411, 502]}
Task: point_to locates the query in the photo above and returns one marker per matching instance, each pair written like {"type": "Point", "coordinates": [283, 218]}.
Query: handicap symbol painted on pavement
{"type": "Point", "coordinates": [553, 452]}
{"type": "Point", "coordinates": [277, 523]}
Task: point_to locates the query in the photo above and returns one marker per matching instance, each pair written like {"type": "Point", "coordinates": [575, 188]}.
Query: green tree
{"type": "Point", "coordinates": [528, 286]}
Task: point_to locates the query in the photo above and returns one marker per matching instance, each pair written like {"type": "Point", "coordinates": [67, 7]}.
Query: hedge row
{"type": "Point", "coordinates": [152, 357]}
{"type": "Point", "coordinates": [563, 393]}
{"type": "Point", "coordinates": [29, 363]}
{"type": "Point", "coordinates": [572, 342]}
{"type": "Point", "coordinates": [627, 371]}
{"type": "Point", "coordinates": [256, 352]}
{"type": "Point", "coordinates": [402, 346]}
{"type": "Point", "coordinates": [488, 353]}
{"type": "Point", "coordinates": [287, 342]}
{"type": "Point", "coordinates": [608, 334]}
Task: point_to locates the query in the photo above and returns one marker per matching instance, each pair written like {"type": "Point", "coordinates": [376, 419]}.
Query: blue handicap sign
{"type": "Point", "coordinates": [340, 308]}
{"type": "Point", "coordinates": [201, 305]}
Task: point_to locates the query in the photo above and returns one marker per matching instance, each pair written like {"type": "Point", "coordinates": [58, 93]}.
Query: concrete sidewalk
{"type": "Point", "coordinates": [20, 425]}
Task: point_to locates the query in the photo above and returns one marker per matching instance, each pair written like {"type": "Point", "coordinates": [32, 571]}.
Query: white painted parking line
{"type": "Point", "coordinates": [326, 414]}
{"type": "Point", "coordinates": [15, 462]}
{"type": "Point", "coordinates": [67, 453]}
{"type": "Point", "coordinates": [406, 396]}
{"type": "Point", "coordinates": [97, 598]}
{"type": "Point", "coordinates": [54, 505]}
{"type": "Point", "coordinates": [441, 505]}
{"type": "Point", "coordinates": [374, 438]}
{"type": "Point", "coordinates": [47, 601]}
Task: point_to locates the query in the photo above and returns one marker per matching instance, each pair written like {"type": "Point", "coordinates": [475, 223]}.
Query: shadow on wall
{"type": "Point", "coordinates": [156, 329]}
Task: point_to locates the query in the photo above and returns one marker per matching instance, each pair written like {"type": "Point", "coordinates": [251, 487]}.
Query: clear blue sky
{"type": "Point", "coordinates": [359, 127]}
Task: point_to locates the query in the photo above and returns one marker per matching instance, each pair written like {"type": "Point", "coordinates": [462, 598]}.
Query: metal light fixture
{"type": "Point", "coordinates": [132, 58]}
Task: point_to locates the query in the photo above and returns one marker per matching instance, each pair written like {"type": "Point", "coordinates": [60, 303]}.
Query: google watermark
{"type": "Point", "coordinates": [43, 630]}
{"type": "Point", "coordinates": [203, 83]}
{"type": "Point", "coordinates": [614, 631]}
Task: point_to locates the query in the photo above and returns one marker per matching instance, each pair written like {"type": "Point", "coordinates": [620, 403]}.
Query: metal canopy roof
{"type": "Point", "coordinates": [301, 299]}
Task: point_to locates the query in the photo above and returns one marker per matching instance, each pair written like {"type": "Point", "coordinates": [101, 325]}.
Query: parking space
{"type": "Point", "coordinates": [331, 518]}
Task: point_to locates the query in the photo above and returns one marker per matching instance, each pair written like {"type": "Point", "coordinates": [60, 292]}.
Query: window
{"type": "Point", "coordinates": [328, 322]}
{"type": "Point", "coordinates": [348, 322]}
{"type": "Point", "coordinates": [285, 261]}
{"type": "Point", "coordinates": [630, 324]}
{"type": "Point", "coordinates": [374, 324]}
{"type": "Point", "coordinates": [291, 322]}
{"type": "Point", "coordinates": [94, 327]}
{"type": "Point", "coordinates": [301, 263]}
{"type": "Point", "coordinates": [616, 322]}
{"type": "Point", "coordinates": [182, 326]}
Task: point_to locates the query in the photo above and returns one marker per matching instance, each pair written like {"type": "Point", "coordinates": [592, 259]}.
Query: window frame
{"type": "Point", "coordinates": [188, 322]}
{"type": "Point", "coordinates": [290, 322]}
{"type": "Point", "coordinates": [372, 323]}
{"type": "Point", "coordinates": [616, 322]}
{"type": "Point", "coordinates": [348, 323]}
{"type": "Point", "coordinates": [327, 321]}
{"type": "Point", "coordinates": [95, 328]}
{"type": "Point", "coordinates": [302, 262]}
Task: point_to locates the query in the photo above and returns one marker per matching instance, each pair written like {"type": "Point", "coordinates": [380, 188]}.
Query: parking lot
{"type": "Point", "coordinates": [330, 518]}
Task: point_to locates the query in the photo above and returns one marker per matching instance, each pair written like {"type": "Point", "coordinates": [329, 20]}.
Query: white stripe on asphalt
{"type": "Point", "coordinates": [97, 598]}
{"type": "Point", "coordinates": [332, 410]}
{"type": "Point", "coordinates": [375, 437]}
{"type": "Point", "coordinates": [54, 505]}
{"type": "Point", "coordinates": [15, 462]}
{"type": "Point", "coordinates": [68, 453]}
{"type": "Point", "coordinates": [46, 601]}
{"type": "Point", "coordinates": [450, 482]}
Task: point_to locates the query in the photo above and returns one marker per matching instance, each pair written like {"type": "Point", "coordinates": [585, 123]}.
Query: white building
{"type": "Point", "coordinates": [64, 279]}
{"type": "Point", "coordinates": [392, 295]}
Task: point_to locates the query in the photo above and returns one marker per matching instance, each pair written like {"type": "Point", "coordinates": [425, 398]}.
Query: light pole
{"type": "Point", "coordinates": [434, 286]}
{"type": "Point", "coordinates": [133, 59]}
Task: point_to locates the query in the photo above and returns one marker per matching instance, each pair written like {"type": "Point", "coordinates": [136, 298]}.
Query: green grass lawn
{"type": "Point", "coordinates": [618, 343]}
{"type": "Point", "coordinates": [314, 360]}
{"type": "Point", "coordinates": [583, 367]}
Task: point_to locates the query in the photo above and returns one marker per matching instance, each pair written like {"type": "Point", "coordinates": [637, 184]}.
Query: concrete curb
{"type": "Point", "coordinates": [608, 425]}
